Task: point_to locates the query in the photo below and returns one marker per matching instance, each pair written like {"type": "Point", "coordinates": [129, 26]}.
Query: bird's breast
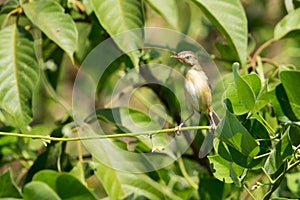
{"type": "Point", "coordinates": [197, 89]}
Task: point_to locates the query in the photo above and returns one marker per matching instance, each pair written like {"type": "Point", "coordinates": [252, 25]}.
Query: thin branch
{"type": "Point", "coordinates": [258, 52]}
{"type": "Point", "coordinates": [46, 138]}
{"type": "Point", "coordinates": [248, 191]}
{"type": "Point", "coordinates": [185, 174]}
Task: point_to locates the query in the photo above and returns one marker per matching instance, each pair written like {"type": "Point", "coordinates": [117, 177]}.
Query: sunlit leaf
{"type": "Point", "coordinates": [119, 184]}
{"type": "Point", "coordinates": [18, 75]}
{"type": "Point", "coordinates": [240, 143]}
{"type": "Point", "coordinates": [39, 190]}
{"type": "Point", "coordinates": [49, 16]}
{"type": "Point", "coordinates": [167, 9]}
{"type": "Point", "coordinates": [230, 19]}
{"type": "Point", "coordinates": [221, 168]}
{"type": "Point", "coordinates": [245, 92]}
{"type": "Point", "coordinates": [120, 16]}
{"type": "Point", "coordinates": [290, 23]}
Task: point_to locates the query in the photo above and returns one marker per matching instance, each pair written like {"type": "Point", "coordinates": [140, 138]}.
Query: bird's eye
{"type": "Point", "coordinates": [188, 57]}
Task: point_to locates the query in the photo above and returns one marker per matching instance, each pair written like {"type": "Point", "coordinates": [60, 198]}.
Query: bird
{"type": "Point", "coordinates": [197, 90]}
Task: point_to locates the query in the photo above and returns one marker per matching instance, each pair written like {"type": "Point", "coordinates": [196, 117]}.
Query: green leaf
{"type": "Point", "coordinates": [284, 102]}
{"type": "Point", "coordinates": [291, 82]}
{"type": "Point", "coordinates": [239, 141]}
{"type": "Point", "coordinates": [245, 92]}
{"type": "Point", "coordinates": [231, 93]}
{"type": "Point", "coordinates": [229, 17]}
{"type": "Point", "coordinates": [287, 25]}
{"type": "Point", "coordinates": [119, 184]}
{"type": "Point", "coordinates": [210, 188]}
{"type": "Point", "coordinates": [254, 82]}
{"type": "Point", "coordinates": [49, 16]}
{"type": "Point", "coordinates": [120, 16]}
{"type": "Point", "coordinates": [167, 9]}
{"type": "Point", "coordinates": [47, 176]}
{"type": "Point", "coordinates": [223, 169]}
{"type": "Point", "coordinates": [69, 187]}
{"type": "Point", "coordinates": [18, 75]}
{"type": "Point", "coordinates": [279, 154]}
{"type": "Point", "coordinates": [8, 187]}
{"type": "Point", "coordinates": [39, 190]}
{"type": "Point", "coordinates": [293, 181]}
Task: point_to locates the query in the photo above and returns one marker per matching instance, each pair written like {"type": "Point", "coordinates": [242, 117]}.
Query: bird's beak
{"type": "Point", "coordinates": [175, 56]}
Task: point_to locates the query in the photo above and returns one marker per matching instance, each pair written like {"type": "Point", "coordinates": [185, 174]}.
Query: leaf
{"type": "Point", "coordinates": [18, 75]}
{"type": "Point", "coordinates": [8, 187]}
{"type": "Point", "coordinates": [231, 93]}
{"type": "Point", "coordinates": [293, 182]}
{"type": "Point", "coordinates": [287, 25]}
{"type": "Point", "coordinates": [222, 168]}
{"type": "Point", "coordinates": [254, 82]}
{"type": "Point", "coordinates": [291, 82]}
{"type": "Point", "coordinates": [241, 145]}
{"type": "Point", "coordinates": [69, 187]}
{"type": "Point", "coordinates": [284, 102]}
{"type": "Point", "coordinates": [279, 154]}
{"type": "Point", "coordinates": [229, 17]}
{"type": "Point", "coordinates": [245, 92]}
{"type": "Point", "coordinates": [210, 188]}
{"type": "Point", "coordinates": [39, 190]}
{"type": "Point", "coordinates": [167, 9]}
{"type": "Point", "coordinates": [47, 176]}
{"type": "Point", "coordinates": [120, 184]}
{"type": "Point", "coordinates": [120, 16]}
{"type": "Point", "coordinates": [49, 16]}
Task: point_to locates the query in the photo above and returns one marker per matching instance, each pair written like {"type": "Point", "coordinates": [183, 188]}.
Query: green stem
{"type": "Point", "coordinates": [42, 137]}
{"type": "Point", "coordinates": [248, 191]}
{"type": "Point", "coordinates": [185, 174]}
{"type": "Point", "coordinates": [267, 175]}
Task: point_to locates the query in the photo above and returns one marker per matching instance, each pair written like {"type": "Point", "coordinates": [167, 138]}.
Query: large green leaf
{"type": "Point", "coordinates": [120, 184]}
{"type": "Point", "coordinates": [244, 90]}
{"type": "Point", "coordinates": [69, 187]}
{"type": "Point", "coordinates": [49, 16]}
{"type": "Point", "coordinates": [288, 24]}
{"type": "Point", "coordinates": [211, 188]}
{"type": "Point", "coordinates": [291, 82]}
{"type": "Point", "coordinates": [230, 19]}
{"type": "Point", "coordinates": [120, 16]}
{"type": "Point", "coordinates": [18, 75]}
{"type": "Point", "coordinates": [8, 187]}
{"type": "Point", "coordinates": [240, 144]}
{"type": "Point", "coordinates": [167, 9]}
{"type": "Point", "coordinates": [39, 190]}
{"type": "Point", "coordinates": [222, 168]}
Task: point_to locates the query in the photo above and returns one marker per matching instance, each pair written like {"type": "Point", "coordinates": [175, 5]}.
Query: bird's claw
{"type": "Point", "coordinates": [213, 127]}
{"type": "Point", "coordinates": [177, 130]}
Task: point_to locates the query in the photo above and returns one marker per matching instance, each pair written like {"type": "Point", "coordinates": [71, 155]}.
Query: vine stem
{"type": "Point", "coordinates": [185, 174]}
{"type": "Point", "coordinates": [259, 50]}
{"type": "Point", "coordinates": [43, 137]}
{"type": "Point", "coordinates": [248, 191]}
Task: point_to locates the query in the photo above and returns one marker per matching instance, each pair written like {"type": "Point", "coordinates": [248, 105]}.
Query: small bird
{"type": "Point", "coordinates": [197, 90]}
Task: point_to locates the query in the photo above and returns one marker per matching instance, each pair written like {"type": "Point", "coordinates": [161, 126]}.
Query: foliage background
{"type": "Point", "coordinates": [42, 45]}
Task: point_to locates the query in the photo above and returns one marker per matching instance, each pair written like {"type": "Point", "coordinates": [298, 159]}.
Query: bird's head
{"type": "Point", "coordinates": [187, 58]}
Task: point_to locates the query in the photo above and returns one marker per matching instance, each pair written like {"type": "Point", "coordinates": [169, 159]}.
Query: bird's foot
{"type": "Point", "coordinates": [213, 127]}
{"type": "Point", "coordinates": [177, 129]}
